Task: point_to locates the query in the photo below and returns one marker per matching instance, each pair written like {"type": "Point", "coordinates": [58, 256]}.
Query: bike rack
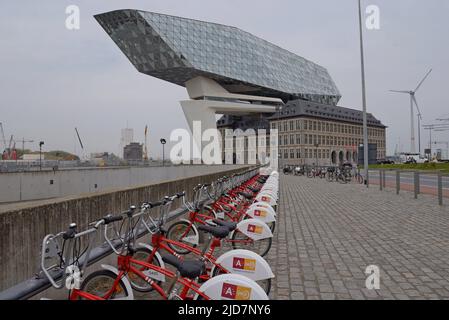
{"type": "Point", "coordinates": [39, 283]}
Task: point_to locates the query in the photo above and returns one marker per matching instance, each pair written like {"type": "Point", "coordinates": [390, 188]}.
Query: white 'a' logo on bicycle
{"type": "Point", "coordinates": [73, 277]}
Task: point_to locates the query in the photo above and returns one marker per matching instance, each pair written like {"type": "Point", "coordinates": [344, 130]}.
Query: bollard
{"type": "Point", "coordinates": [384, 178]}
{"type": "Point", "coordinates": [380, 180]}
{"type": "Point", "coordinates": [440, 189]}
{"type": "Point", "coordinates": [416, 183]}
{"type": "Point", "coordinates": [398, 181]}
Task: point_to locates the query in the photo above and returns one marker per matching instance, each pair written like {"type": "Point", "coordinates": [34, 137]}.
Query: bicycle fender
{"type": "Point", "coordinates": [254, 229]}
{"type": "Point", "coordinates": [152, 273]}
{"type": "Point", "coordinates": [246, 263]}
{"type": "Point", "coordinates": [193, 240]}
{"type": "Point", "coordinates": [263, 205]}
{"type": "Point", "coordinates": [124, 279]}
{"type": "Point", "coordinates": [266, 198]}
{"type": "Point", "coordinates": [232, 287]}
{"type": "Point", "coordinates": [261, 213]}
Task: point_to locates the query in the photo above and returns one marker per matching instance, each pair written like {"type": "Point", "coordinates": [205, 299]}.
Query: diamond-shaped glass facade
{"type": "Point", "coordinates": [177, 49]}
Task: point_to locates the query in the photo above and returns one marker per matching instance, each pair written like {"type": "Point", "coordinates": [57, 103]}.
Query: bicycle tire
{"type": "Point", "coordinates": [179, 225]}
{"type": "Point", "coordinates": [264, 245]}
{"type": "Point", "coordinates": [141, 285]}
{"type": "Point", "coordinates": [97, 275]}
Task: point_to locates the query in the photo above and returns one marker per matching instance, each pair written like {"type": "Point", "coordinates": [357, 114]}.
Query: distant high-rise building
{"type": "Point", "coordinates": [126, 138]}
{"type": "Point", "coordinates": [133, 151]}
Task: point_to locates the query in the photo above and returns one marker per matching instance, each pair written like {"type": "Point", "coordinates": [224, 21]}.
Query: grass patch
{"type": "Point", "coordinates": [417, 166]}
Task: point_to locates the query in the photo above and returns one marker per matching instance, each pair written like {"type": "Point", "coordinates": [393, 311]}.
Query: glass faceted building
{"type": "Point", "coordinates": [177, 49]}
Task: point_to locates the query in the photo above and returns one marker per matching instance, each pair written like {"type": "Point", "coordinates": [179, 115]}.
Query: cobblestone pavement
{"type": "Point", "coordinates": [328, 233]}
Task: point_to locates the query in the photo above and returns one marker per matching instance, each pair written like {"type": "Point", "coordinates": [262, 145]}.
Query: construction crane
{"type": "Point", "coordinates": [145, 152]}
{"type": "Point", "coordinates": [3, 136]}
{"type": "Point", "coordinates": [81, 144]}
{"type": "Point", "coordinates": [23, 141]}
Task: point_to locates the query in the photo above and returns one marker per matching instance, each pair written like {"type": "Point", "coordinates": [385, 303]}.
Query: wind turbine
{"type": "Point", "coordinates": [412, 122]}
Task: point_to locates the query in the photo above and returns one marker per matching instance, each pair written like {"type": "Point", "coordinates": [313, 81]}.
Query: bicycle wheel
{"type": "Point", "coordinates": [176, 232]}
{"type": "Point", "coordinates": [137, 283]}
{"type": "Point", "coordinates": [360, 179]}
{"type": "Point", "coordinates": [100, 283]}
{"type": "Point", "coordinates": [264, 284]}
{"type": "Point", "coordinates": [342, 179]}
{"type": "Point", "coordinates": [241, 241]}
{"type": "Point", "coordinates": [330, 177]}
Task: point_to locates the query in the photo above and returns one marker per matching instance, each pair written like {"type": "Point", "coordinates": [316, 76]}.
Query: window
{"type": "Point", "coordinates": [306, 152]}
{"type": "Point", "coordinates": [314, 126]}
{"type": "Point", "coordinates": [292, 139]}
{"type": "Point", "coordinates": [286, 140]}
{"type": "Point", "coordinates": [286, 154]}
{"type": "Point", "coordinates": [273, 125]}
{"type": "Point", "coordinates": [298, 154]}
{"type": "Point", "coordinates": [298, 139]}
{"type": "Point", "coordinates": [298, 124]}
{"type": "Point", "coordinates": [292, 125]}
{"type": "Point", "coordinates": [285, 125]}
{"type": "Point", "coordinates": [292, 153]}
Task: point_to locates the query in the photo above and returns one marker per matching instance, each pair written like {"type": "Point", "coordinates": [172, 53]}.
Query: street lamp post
{"type": "Point", "coordinates": [163, 142]}
{"type": "Point", "coordinates": [365, 124]}
{"type": "Point", "coordinates": [279, 109]}
{"type": "Point", "coordinates": [40, 155]}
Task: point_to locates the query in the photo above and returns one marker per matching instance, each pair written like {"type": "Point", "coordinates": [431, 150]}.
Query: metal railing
{"type": "Point", "coordinates": [414, 178]}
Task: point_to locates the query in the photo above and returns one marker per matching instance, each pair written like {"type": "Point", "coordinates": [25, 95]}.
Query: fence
{"type": "Point", "coordinates": [419, 182]}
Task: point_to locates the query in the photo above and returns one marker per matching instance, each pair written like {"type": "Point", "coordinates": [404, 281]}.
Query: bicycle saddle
{"type": "Point", "coordinates": [218, 231]}
{"type": "Point", "coordinates": [245, 195]}
{"type": "Point", "coordinates": [255, 190]}
{"type": "Point", "coordinates": [187, 269]}
{"type": "Point", "coordinates": [228, 224]}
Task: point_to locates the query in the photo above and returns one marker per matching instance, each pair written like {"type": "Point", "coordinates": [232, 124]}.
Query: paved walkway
{"type": "Point", "coordinates": [328, 233]}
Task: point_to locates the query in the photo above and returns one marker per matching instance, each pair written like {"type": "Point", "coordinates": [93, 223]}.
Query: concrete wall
{"type": "Point", "coordinates": [22, 230]}
{"type": "Point", "coordinates": [24, 186]}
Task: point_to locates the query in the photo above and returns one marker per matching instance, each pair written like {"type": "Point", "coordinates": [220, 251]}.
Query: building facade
{"type": "Point", "coordinates": [133, 151]}
{"type": "Point", "coordinates": [315, 134]}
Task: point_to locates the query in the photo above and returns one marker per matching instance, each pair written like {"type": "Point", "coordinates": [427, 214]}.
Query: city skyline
{"type": "Point", "coordinates": [80, 79]}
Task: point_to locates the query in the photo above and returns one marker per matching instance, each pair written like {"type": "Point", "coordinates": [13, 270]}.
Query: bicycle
{"type": "Point", "coordinates": [259, 271]}
{"type": "Point", "coordinates": [249, 234]}
{"type": "Point", "coordinates": [187, 272]}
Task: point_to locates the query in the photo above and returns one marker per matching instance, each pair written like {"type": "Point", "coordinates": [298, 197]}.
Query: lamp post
{"type": "Point", "coordinates": [316, 154]}
{"type": "Point", "coordinates": [163, 142]}
{"type": "Point", "coordinates": [40, 155]}
{"type": "Point", "coordinates": [365, 124]}
{"type": "Point", "coordinates": [279, 109]}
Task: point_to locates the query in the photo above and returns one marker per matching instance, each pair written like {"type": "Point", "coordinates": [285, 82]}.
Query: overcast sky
{"type": "Point", "coordinates": [53, 80]}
